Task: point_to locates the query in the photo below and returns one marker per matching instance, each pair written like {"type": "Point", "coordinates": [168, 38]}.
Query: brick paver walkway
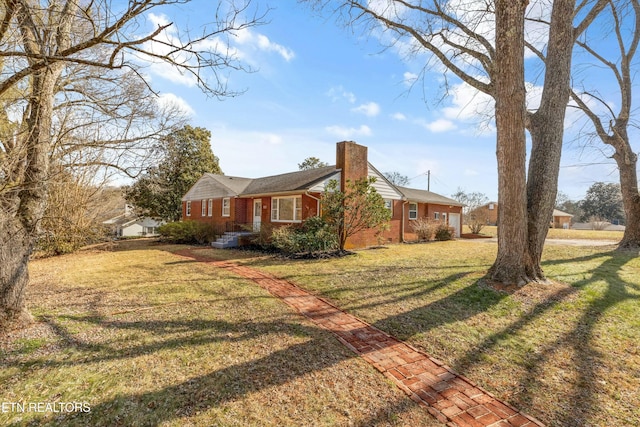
{"type": "Point", "coordinates": [447, 395]}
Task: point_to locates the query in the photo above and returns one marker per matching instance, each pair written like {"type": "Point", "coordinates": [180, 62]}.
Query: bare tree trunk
{"type": "Point", "coordinates": [15, 249]}
{"type": "Point", "coordinates": [627, 162]}
{"type": "Point", "coordinates": [513, 264]}
{"type": "Point", "coordinates": [547, 129]}
{"type": "Point", "coordinates": [19, 226]}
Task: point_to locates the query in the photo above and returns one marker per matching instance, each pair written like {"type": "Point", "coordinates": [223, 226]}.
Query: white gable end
{"type": "Point", "coordinates": [381, 185]}
{"type": "Point", "coordinates": [321, 186]}
{"type": "Point", "coordinates": [207, 188]}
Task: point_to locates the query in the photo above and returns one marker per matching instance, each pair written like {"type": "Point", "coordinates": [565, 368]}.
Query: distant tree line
{"type": "Point", "coordinates": [602, 202]}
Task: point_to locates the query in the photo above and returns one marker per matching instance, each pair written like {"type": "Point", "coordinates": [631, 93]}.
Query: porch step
{"type": "Point", "coordinates": [229, 239]}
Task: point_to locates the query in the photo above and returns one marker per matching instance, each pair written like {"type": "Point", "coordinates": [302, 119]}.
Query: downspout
{"type": "Point", "coordinates": [402, 222]}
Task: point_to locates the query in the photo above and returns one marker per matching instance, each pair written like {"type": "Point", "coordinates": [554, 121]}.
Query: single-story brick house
{"type": "Point", "coordinates": [292, 197]}
{"type": "Point", "coordinates": [490, 212]}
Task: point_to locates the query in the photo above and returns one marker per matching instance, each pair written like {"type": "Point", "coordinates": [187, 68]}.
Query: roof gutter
{"type": "Point", "coordinates": [276, 194]}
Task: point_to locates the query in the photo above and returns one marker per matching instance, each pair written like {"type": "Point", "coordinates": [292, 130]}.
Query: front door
{"type": "Point", "coordinates": [257, 214]}
{"type": "Point", "coordinates": [454, 221]}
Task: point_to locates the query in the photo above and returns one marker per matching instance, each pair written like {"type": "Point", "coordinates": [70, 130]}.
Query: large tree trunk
{"type": "Point", "coordinates": [547, 129]}
{"type": "Point", "coordinates": [627, 162]}
{"type": "Point", "coordinates": [513, 264]}
{"type": "Point", "coordinates": [15, 249]}
{"type": "Point", "coordinates": [23, 210]}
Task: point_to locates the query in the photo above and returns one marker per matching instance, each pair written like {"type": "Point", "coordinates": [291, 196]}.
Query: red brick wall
{"type": "Point", "coordinates": [366, 238]}
{"type": "Point", "coordinates": [309, 206]}
{"type": "Point", "coordinates": [428, 210]}
{"type": "Point", "coordinates": [490, 214]}
{"type": "Point", "coordinates": [216, 216]}
{"type": "Point", "coordinates": [351, 158]}
{"type": "Point", "coordinates": [242, 210]}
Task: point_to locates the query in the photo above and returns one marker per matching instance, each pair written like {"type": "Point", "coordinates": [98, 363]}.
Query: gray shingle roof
{"type": "Point", "coordinates": [229, 186]}
{"type": "Point", "coordinates": [424, 196]}
{"type": "Point", "coordinates": [292, 181]}
{"type": "Point", "coordinates": [234, 183]}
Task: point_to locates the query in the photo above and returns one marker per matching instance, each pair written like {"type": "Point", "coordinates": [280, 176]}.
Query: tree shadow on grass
{"type": "Point", "coordinates": [223, 385]}
{"type": "Point", "coordinates": [458, 306]}
{"type": "Point", "coordinates": [162, 335]}
{"type": "Point", "coordinates": [207, 391]}
{"type": "Point", "coordinates": [581, 404]}
{"type": "Point", "coordinates": [213, 389]}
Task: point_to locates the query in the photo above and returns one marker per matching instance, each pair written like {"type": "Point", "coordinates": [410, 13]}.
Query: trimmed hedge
{"type": "Point", "coordinates": [314, 235]}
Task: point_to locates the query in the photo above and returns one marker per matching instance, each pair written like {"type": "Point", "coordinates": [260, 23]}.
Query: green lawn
{"type": "Point", "coordinates": [149, 338]}
{"type": "Point", "coordinates": [144, 337]}
{"type": "Point", "coordinates": [566, 352]}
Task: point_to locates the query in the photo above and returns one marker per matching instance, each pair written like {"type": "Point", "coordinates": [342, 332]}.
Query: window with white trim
{"type": "Point", "coordinates": [444, 217]}
{"type": "Point", "coordinates": [491, 206]}
{"type": "Point", "coordinates": [413, 211]}
{"type": "Point", "coordinates": [226, 206]}
{"type": "Point", "coordinates": [210, 207]}
{"type": "Point", "coordinates": [188, 209]}
{"type": "Point", "coordinates": [204, 208]}
{"type": "Point", "coordinates": [286, 209]}
{"type": "Point", "coordinates": [436, 216]}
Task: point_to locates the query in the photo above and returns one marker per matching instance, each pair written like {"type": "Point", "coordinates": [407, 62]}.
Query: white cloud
{"type": "Point", "coordinates": [170, 100]}
{"type": "Point", "coordinates": [337, 93]}
{"type": "Point", "coordinates": [388, 9]}
{"type": "Point", "coordinates": [473, 14]}
{"type": "Point", "coordinates": [438, 126]}
{"type": "Point", "coordinates": [409, 78]}
{"type": "Point", "coordinates": [576, 120]}
{"type": "Point", "coordinates": [398, 116]}
{"type": "Point", "coordinates": [370, 109]}
{"type": "Point", "coordinates": [245, 46]}
{"type": "Point", "coordinates": [347, 133]}
{"type": "Point", "coordinates": [161, 47]}
{"type": "Point", "coordinates": [255, 41]}
{"type": "Point", "coordinates": [468, 103]}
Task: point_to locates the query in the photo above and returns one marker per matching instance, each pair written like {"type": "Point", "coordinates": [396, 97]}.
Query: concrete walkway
{"type": "Point", "coordinates": [447, 395]}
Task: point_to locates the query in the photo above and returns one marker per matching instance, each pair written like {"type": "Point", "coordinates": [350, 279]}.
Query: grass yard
{"type": "Point", "coordinates": [149, 338]}
{"type": "Point", "coordinates": [559, 233]}
{"type": "Point", "coordinates": [567, 353]}
{"type": "Point", "coordinates": [145, 337]}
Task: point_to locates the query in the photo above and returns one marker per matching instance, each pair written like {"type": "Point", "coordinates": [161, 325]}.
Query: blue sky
{"type": "Point", "coordinates": [316, 83]}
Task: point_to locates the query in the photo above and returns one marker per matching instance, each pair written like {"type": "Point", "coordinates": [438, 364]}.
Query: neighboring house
{"type": "Point", "coordinates": [490, 211]}
{"type": "Point", "coordinates": [233, 203]}
{"type": "Point", "coordinates": [561, 219]}
{"type": "Point", "coordinates": [130, 225]}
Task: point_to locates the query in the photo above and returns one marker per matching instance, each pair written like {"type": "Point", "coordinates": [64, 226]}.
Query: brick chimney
{"type": "Point", "coordinates": [351, 158]}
